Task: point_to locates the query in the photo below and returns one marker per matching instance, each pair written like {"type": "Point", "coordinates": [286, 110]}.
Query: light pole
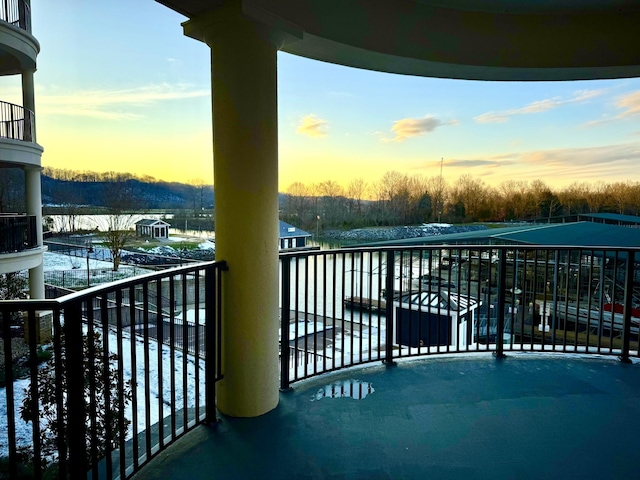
{"type": "Point", "coordinates": [89, 250]}
{"type": "Point", "coordinates": [317, 226]}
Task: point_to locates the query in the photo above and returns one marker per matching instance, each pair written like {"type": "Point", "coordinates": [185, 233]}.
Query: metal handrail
{"type": "Point", "coordinates": [16, 122]}
{"type": "Point", "coordinates": [17, 13]}
{"type": "Point", "coordinates": [18, 233]}
{"type": "Point", "coordinates": [168, 352]}
{"type": "Point", "coordinates": [353, 306]}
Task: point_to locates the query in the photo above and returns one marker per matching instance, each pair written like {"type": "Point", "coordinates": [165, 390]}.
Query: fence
{"type": "Point", "coordinates": [110, 400]}
{"type": "Point", "coordinates": [352, 306]}
{"type": "Point", "coordinates": [16, 122]}
{"type": "Point", "coordinates": [17, 233]}
{"type": "Point", "coordinates": [81, 278]}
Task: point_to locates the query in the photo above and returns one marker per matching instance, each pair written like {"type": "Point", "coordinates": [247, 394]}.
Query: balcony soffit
{"type": "Point", "coordinates": [483, 39]}
{"type": "Point", "coordinates": [18, 49]}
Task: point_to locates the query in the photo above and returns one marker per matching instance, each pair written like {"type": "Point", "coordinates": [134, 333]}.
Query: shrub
{"type": "Point", "coordinates": [97, 423]}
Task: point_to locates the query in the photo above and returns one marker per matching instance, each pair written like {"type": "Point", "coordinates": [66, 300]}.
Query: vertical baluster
{"type": "Point", "coordinates": [628, 305]}
{"type": "Point", "coordinates": [502, 275]}
{"type": "Point", "coordinates": [285, 315]}
{"type": "Point", "coordinates": [389, 286]}
{"type": "Point", "coordinates": [5, 313]}
{"type": "Point", "coordinates": [76, 421]}
{"type": "Point", "coordinates": [210, 286]}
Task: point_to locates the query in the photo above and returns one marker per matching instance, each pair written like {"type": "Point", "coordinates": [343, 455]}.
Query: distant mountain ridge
{"type": "Point", "coordinates": [148, 195]}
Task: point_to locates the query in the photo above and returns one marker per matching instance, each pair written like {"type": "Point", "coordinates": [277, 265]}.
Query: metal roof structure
{"type": "Point", "coordinates": [611, 218]}
{"type": "Point", "coordinates": [440, 299]}
{"type": "Point", "coordinates": [557, 234]}
{"type": "Point", "coordinates": [287, 230]}
{"type": "Point", "coordinates": [150, 221]}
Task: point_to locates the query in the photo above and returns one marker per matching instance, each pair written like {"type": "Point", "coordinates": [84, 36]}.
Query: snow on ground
{"type": "Point", "coordinates": [172, 251]}
{"type": "Point", "coordinates": [182, 399]}
{"type": "Point", "coordinates": [58, 261]}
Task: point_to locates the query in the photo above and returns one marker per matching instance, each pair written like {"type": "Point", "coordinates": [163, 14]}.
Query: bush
{"type": "Point", "coordinates": [48, 412]}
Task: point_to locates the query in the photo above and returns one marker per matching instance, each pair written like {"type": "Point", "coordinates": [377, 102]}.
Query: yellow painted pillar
{"type": "Point", "coordinates": [28, 101]}
{"type": "Point", "coordinates": [245, 146]}
{"type": "Point", "coordinates": [32, 183]}
{"type": "Point", "coordinates": [34, 207]}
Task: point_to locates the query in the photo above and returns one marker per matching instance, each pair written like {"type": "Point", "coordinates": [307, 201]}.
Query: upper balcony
{"type": "Point", "coordinates": [414, 340]}
{"type": "Point", "coordinates": [18, 47]}
{"type": "Point", "coordinates": [16, 122]}
{"type": "Point", "coordinates": [17, 145]}
{"type": "Point", "coordinates": [19, 249]}
{"type": "Point", "coordinates": [17, 233]}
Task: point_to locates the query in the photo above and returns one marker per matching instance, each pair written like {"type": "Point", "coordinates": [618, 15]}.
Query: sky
{"type": "Point", "coordinates": [120, 88]}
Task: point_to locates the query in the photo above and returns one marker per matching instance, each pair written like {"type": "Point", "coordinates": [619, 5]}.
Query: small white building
{"type": "Point", "coordinates": [437, 318]}
{"type": "Point", "coordinates": [292, 237]}
{"type": "Point", "coordinates": [149, 227]}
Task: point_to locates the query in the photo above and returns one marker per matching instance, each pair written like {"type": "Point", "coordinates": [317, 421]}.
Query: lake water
{"type": "Point", "coordinates": [101, 222]}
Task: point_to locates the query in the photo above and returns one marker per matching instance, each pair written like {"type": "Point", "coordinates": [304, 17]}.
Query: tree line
{"type": "Point", "coordinates": [395, 199]}
{"type": "Point", "coordinates": [401, 199]}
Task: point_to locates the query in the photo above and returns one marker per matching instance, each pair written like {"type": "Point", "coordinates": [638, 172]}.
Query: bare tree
{"type": "Point", "coordinates": [198, 195]}
{"type": "Point", "coordinates": [437, 189]}
{"type": "Point", "coordinates": [120, 205]}
{"type": "Point", "coordinates": [596, 197]}
{"type": "Point", "coordinates": [356, 191]}
{"type": "Point", "coordinates": [471, 193]}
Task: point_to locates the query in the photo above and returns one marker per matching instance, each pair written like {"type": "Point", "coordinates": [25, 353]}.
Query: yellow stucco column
{"type": "Point", "coordinates": [28, 98]}
{"type": "Point", "coordinates": [34, 207]}
{"type": "Point", "coordinates": [245, 146]}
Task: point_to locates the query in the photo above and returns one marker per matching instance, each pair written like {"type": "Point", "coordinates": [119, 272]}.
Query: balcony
{"type": "Point", "coordinates": [17, 233]}
{"type": "Point", "coordinates": [16, 122]}
{"type": "Point", "coordinates": [16, 13]}
{"type": "Point", "coordinates": [416, 339]}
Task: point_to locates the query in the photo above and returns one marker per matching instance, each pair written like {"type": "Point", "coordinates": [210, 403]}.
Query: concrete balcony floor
{"type": "Point", "coordinates": [528, 416]}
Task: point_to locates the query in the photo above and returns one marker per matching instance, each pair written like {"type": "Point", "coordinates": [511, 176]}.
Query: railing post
{"type": "Point", "coordinates": [628, 304]}
{"type": "Point", "coordinates": [502, 276]}
{"type": "Point", "coordinates": [285, 315]}
{"type": "Point", "coordinates": [210, 345]}
{"type": "Point", "coordinates": [9, 391]}
{"type": "Point", "coordinates": [76, 408]}
{"type": "Point", "coordinates": [389, 288]}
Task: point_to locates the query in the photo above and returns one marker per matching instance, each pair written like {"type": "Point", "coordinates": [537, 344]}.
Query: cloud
{"type": "Point", "coordinates": [538, 106]}
{"type": "Point", "coordinates": [115, 104]}
{"type": "Point", "coordinates": [312, 126]}
{"type": "Point", "coordinates": [482, 164]}
{"type": "Point", "coordinates": [415, 127]}
{"type": "Point", "coordinates": [577, 158]}
{"type": "Point", "coordinates": [630, 103]}
{"type": "Point", "coordinates": [476, 163]}
{"type": "Point", "coordinates": [553, 166]}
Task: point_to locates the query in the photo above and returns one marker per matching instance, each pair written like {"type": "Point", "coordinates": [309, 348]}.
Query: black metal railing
{"type": "Point", "coordinates": [17, 13]}
{"type": "Point", "coordinates": [77, 279]}
{"type": "Point", "coordinates": [347, 307]}
{"type": "Point", "coordinates": [16, 122]}
{"type": "Point", "coordinates": [17, 233]}
{"type": "Point", "coordinates": [129, 374]}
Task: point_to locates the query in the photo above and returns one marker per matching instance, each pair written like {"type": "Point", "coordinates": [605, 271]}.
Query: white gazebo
{"type": "Point", "coordinates": [148, 227]}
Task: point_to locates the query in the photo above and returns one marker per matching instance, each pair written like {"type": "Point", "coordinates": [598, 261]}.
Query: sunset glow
{"type": "Point", "coordinates": [129, 92]}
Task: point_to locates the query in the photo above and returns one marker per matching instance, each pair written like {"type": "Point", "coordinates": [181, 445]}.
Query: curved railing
{"type": "Point", "coordinates": [17, 233]}
{"type": "Point", "coordinates": [337, 309]}
{"type": "Point", "coordinates": [110, 400]}
{"type": "Point", "coordinates": [16, 122]}
{"type": "Point", "coordinates": [17, 13]}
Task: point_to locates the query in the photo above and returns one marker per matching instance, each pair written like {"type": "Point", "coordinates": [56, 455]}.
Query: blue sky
{"type": "Point", "coordinates": [121, 88]}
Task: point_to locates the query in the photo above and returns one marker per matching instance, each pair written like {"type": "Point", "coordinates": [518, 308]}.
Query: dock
{"type": "Point", "coordinates": [369, 304]}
